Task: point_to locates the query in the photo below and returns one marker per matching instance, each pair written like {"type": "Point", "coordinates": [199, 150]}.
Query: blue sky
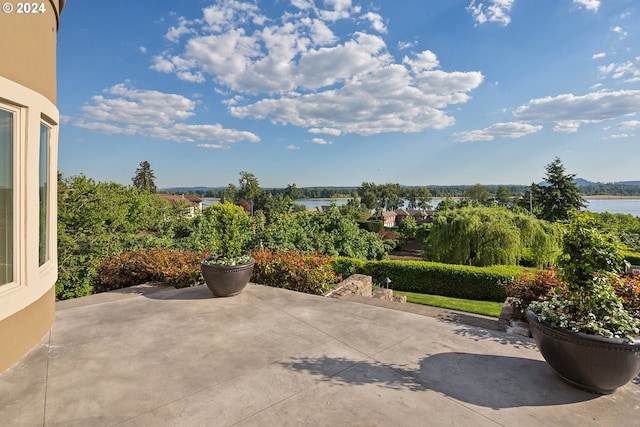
{"type": "Point", "coordinates": [339, 92]}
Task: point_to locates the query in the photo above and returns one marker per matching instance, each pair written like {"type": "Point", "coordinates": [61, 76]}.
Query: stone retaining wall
{"type": "Point", "coordinates": [361, 285]}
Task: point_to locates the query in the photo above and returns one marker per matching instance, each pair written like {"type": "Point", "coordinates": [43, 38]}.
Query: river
{"type": "Point", "coordinates": [624, 206]}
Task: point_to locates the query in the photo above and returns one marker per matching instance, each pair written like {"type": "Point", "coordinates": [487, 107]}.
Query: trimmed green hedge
{"type": "Point", "coordinates": [458, 281]}
{"type": "Point", "coordinates": [371, 225]}
{"type": "Point", "coordinates": [632, 257]}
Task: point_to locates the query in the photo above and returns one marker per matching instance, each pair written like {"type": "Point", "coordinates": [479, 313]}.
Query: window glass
{"type": "Point", "coordinates": [6, 197]}
{"type": "Point", "coordinates": [44, 194]}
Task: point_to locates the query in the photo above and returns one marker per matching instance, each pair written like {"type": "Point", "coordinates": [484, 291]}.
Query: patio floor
{"type": "Point", "coordinates": [157, 356]}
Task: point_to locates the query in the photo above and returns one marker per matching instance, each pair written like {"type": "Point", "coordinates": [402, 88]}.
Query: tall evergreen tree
{"type": "Point", "coordinates": [144, 178]}
{"type": "Point", "coordinates": [559, 196]}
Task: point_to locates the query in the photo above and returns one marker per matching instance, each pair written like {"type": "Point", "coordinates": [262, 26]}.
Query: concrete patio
{"type": "Point", "coordinates": [157, 356]}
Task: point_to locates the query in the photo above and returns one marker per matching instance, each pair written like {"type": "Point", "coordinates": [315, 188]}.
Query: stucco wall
{"type": "Point", "coordinates": [28, 47]}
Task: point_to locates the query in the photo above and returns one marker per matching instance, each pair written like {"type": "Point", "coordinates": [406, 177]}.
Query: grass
{"type": "Point", "coordinates": [487, 308]}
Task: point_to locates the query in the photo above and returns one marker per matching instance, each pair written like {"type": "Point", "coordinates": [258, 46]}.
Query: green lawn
{"type": "Point", "coordinates": [488, 308]}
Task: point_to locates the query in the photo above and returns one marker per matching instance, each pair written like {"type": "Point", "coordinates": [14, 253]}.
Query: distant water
{"type": "Point", "coordinates": [624, 206]}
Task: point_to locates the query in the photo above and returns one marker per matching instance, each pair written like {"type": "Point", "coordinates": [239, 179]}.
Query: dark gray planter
{"type": "Point", "coordinates": [227, 280]}
{"type": "Point", "coordinates": [588, 362]}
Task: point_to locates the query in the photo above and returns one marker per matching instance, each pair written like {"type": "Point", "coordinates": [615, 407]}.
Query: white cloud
{"type": "Point", "coordinates": [629, 70]}
{"type": "Point", "coordinates": [321, 141]}
{"type": "Point", "coordinates": [620, 136]}
{"type": "Point", "coordinates": [292, 147]}
{"type": "Point", "coordinates": [326, 131]}
{"type": "Point", "coordinates": [214, 146]}
{"type": "Point", "coordinates": [588, 4]}
{"type": "Point", "coordinates": [376, 22]}
{"type": "Point", "coordinates": [619, 30]}
{"type": "Point", "coordinates": [598, 55]}
{"type": "Point", "coordinates": [494, 11]}
{"type": "Point", "coordinates": [629, 125]}
{"type": "Point", "coordinates": [142, 49]}
{"type": "Point", "coordinates": [295, 70]}
{"type": "Point", "coordinates": [567, 126]}
{"type": "Point", "coordinates": [498, 130]}
{"type": "Point", "coordinates": [590, 108]}
{"type": "Point", "coordinates": [126, 110]}
{"type": "Point", "coordinates": [174, 33]}
{"type": "Point", "coordinates": [426, 60]}
{"type": "Point", "coordinates": [406, 45]}
{"type": "Point", "coordinates": [139, 107]}
{"type": "Point", "coordinates": [338, 9]}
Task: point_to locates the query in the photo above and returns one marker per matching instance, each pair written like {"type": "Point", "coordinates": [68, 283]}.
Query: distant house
{"type": "Point", "coordinates": [394, 218]}
{"type": "Point", "coordinates": [194, 203]}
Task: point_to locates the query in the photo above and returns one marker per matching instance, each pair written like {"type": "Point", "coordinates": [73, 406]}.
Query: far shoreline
{"type": "Point", "coordinates": [606, 197]}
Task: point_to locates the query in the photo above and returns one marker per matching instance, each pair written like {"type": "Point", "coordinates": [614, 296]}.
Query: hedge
{"type": "Point", "coordinates": [371, 225]}
{"type": "Point", "coordinates": [632, 257]}
{"type": "Point", "coordinates": [458, 281]}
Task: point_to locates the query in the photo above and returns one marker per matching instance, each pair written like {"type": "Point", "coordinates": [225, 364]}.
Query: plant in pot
{"type": "Point", "coordinates": [224, 229]}
{"type": "Point", "coordinates": [582, 328]}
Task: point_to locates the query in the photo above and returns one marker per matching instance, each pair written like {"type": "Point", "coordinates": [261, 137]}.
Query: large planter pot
{"type": "Point", "coordinates": [589, 362]}
{"type": "Point", "coordinates": [227, 280]}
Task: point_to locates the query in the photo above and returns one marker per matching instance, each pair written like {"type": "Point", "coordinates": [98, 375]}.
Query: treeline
{"type": "Point", "coordinates": [438, 191]}
{"type": "Point", "coordinates": [304, 193]}
{"type": "Point", "coordinates": [610, 190]}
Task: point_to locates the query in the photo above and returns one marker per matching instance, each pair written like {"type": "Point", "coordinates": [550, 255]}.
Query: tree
{"type": "Point", "coordinates": [559, 196]}
{"type": "Point", "coordinates": [293, 192]}
{"type": "Point", "coordinates": [389, 197]}
{"type": "Point", "coordinates": [483, 236]}
{"type": "Point", "coordinates": [368, 193]}
{"type": "Point", "coordinates": [478, 195]}
{"type": "Point", "coordinates": [251, 191]}
{"type": "Point", "coordinates": [407, 229]}
{"type": "Point", "coordinates": [144, 178]}
{"type": "Point", "coordinates": [446, 205]}
{"type": "Point", "coordinates": [503, 196]}
{"type": "Point", "coordinates": [418, 197]}
{"type": "Point", "coordinates": [230, 194]}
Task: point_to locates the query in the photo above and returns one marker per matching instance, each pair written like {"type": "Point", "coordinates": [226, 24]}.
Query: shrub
{"type": "Point", "coordinates": [477, 283]}
{"type": "Point", "coordinates": [172, 266]}
{"type": "Point", "coordinates": [628, 288]}
{"type": "Point", "coordinates": [373, 226]}
{"type": "Point", "coordinates": [312, 273]}
{"type": "Point", "coordinates": [346, 267]}
{"type": "Point", "coordinates": [531, 287]}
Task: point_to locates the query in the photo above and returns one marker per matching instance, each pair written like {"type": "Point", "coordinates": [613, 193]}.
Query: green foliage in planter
{"type": "Point", "coordinates": [172, 266]}
{"type": "Point", "coordinates": [588, 303]}
{"type": "Point", "coordinates": [229, 261]}
{"type": "Point", "coordinates": [310, 273]}
{"type": "Point", "coordinates": [224, 229]}
{"type": "Point", "coordinates": [628, 288]}
{"type": "Point", "coordinates": [477, 283]}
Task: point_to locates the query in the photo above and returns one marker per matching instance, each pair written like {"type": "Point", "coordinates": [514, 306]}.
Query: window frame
{"type": "Point", "coordinates": [20, 114]}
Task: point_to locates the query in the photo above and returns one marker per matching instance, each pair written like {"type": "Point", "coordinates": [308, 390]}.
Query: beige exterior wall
{"type": "Point", "coordinates": [28, 46]}
{"type": "Point", "coordinates": [28, 91]}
